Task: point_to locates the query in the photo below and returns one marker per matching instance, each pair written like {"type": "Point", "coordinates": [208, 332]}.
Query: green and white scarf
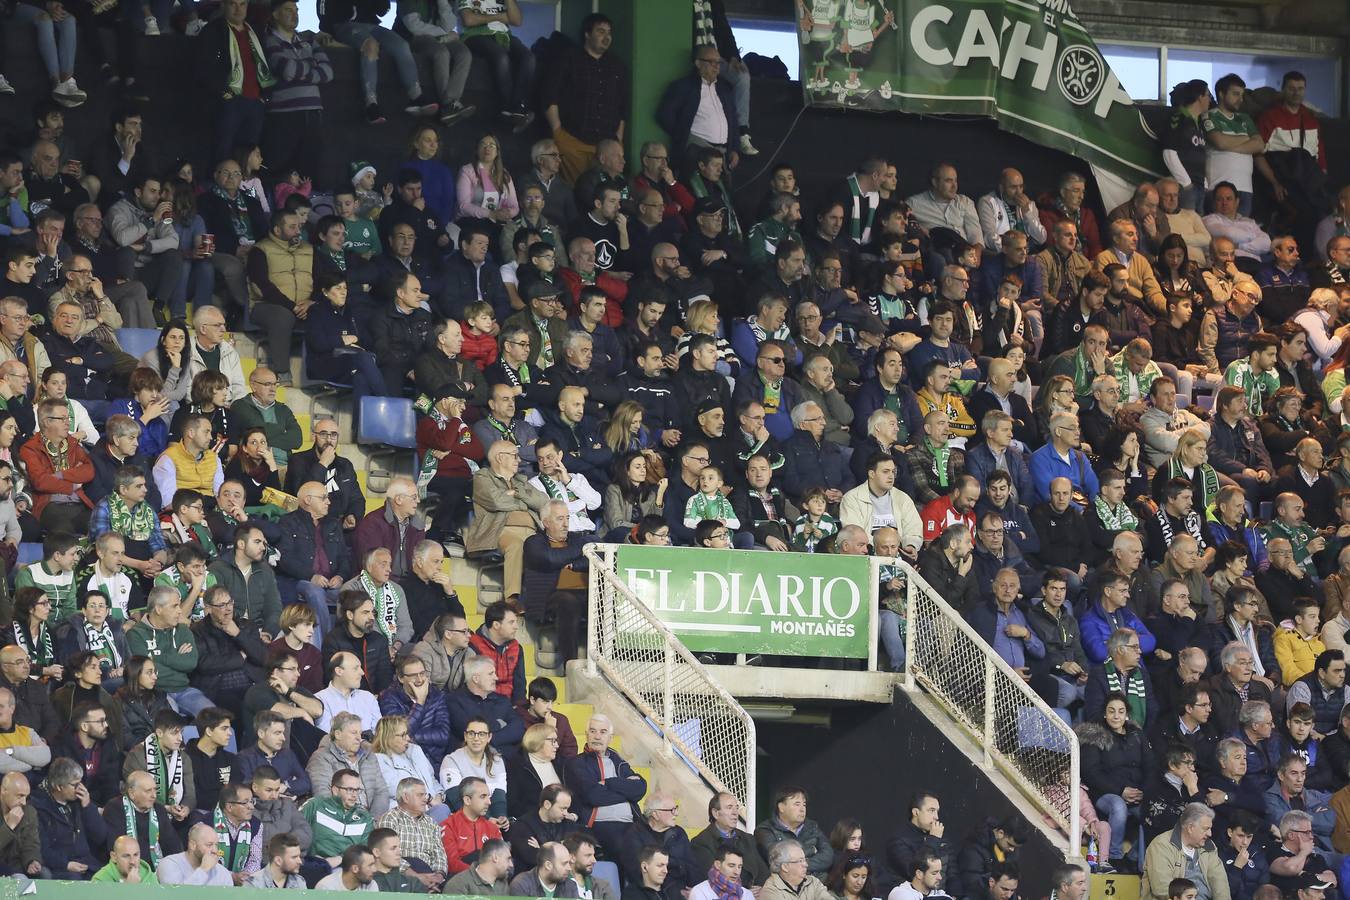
{"type": "Point", "coordinates": [545, 358]}
{"type": "Point", "coordinates": [940, 457]}
{"type": "Point", "coordinates": [859, 229]}
{"type": "Point", "coordinates": [100, 641]}
{"type": "Point", "coordinates": [168, 772]}
{"type": "Point", "coordinates": [230, 852]}
{"type": "Point", "coordinates": [38, 647]}
{"type": "Point", "coordinates": [1132, 686]}
{"type": "Point", "coordinates": [556, 490]}
{"type": "Point", "coordinates": [236, 83]}
{"type": "Point", "coordinates": [134, 523]}
{"type": "Point", "coordinates": [238, 206]}
{"type": "Point", "coordinates": [1209, 482]}
{"type": "Point", "coordinates": [1082, 375]}
{"type": "Point", "coordinates": [152, 829]}
{"type": "Point", "coordinates": [1121, 518]}
{"type": "Point", "coordinates": [386, 605]}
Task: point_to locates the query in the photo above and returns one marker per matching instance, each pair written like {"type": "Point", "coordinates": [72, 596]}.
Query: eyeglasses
{"type": "Point", "coordinates": [551, 740]}
{"type": "Point", "coordinates": [80, 271]}
{"type": "Point", "coordinates": [421, 674]}
{"type": "Point", "coordinates": [348, 788]}
{"type": "Point", "coordinates": [251, 802]}
{"type": "Point", "coordinates": [478, 733]}
{"type": "Point", "coordinates": [777, 360]}
{"type": "Point", "coordinates": [326, 433]}
{"type": "Point", "coordinates": [289, 668]}
{"type": "Point", "coordinates": [265, 384]}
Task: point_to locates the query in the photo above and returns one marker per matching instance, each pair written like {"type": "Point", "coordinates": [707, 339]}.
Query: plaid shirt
{"type": "Point", "coordinates": [420, 838]}
{"type": "Point", "coordinates": [923, 466]}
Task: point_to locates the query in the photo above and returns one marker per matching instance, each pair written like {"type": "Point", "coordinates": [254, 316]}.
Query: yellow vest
{"type": "Point", "coordinates": [290, 269]}
{"type": "Point", "coordinates": [199, 475]}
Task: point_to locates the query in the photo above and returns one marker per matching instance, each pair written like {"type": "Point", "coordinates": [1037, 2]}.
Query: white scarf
{"type": "Point", "coordinates": [170, 794]}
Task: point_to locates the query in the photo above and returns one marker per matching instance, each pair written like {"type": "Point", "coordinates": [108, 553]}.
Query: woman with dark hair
{"type": "Point", "coordinates": [210, 397]}
{"type": "Point", "coordinates": [847, 838]}
{"type": "Point", "coordinates": [851, 878]}
{"type": "Point", "coordinates": [1123, 449]}
{"type": "Point", "coordinates": [333, 341]}
{"type": "Point", "coordinates": [630, 496]}
{"type": "Point", "coordinates": [651, 531]}
{"type": "Point", "coordinates": [141, 700]}
{"type": "Point", "coordinates": [28, 629]}
{"type": "Point", "coordinates": [86, 685]}
{"type": "Point", "coordinates": [1177, 273]}
{"type": "Point", "coordinates": [171, 357]}
{"type": "Point", "coordinates": [254, 466]}
{"type": "Point", "coordinates": [1115, 758]}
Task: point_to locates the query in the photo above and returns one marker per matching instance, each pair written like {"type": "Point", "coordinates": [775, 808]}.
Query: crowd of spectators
{"type": "Point", "coordinates": [1118, 445]}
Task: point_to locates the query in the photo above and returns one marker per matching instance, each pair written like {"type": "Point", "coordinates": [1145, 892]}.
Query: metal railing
{"type": "Point", "coordinates": [1021, 736]}
{"type": "Point", "coordinates": [696, 717]}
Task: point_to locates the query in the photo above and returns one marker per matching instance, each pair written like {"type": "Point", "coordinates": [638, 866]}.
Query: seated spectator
{"type": "Point", "coordinates": [658, 828]}
{"type": "Point", "coordinates": [399, 332]}
{"type": "Point", "coordinates": [404, 767]}
{"type": "Point", "coordinates": [1235, 685]}
{"type": "Point", "coordinates": [506, 511]}
{"type": "Point", "coordinates": [1061, 458]}
{"type": "Point", "coordinates": [191, 463]}
{"type": "Point", "coordinates": [390, 605]}
{"type": "Point", "coordinates": [878, 504]}
{"type": "Point", "coordinates": [465, 834]}
{"type": "Point", "coordinates": [1062, 533]}
{"type": "Point", "coordinates": [344, 693]}
{"type": "Point", "coordinates": [161, 636]}
{"type": "Point", "coordinates": [554, 578]}
{"type": "Point", "coordinates": [1285, 580]}
{"type": "Point", "coordinates": [1004, 626]}
{"type": "Point", "coordinates": [615, 796]}
{"type": "Point", "coordinates": [283, 692]}
{"type": "Point", "coordinates": [313, 553]}
{"type": "Point", "coordinates": [282, 869]}
{"type": "Point", "coordinates": [424, 707]}
{"type": "Point", "coordinates": [1177, 519]}
{"type": "Point", "coordinates": [126, 865]}
{"type": "Point", "coordinates": [445, 649]}
{"type": "Point", "coordinates": [67, 827]}
{"type": "Point", "coordinates": [131, 814]}
{"type": "Point", "coordinates": [340, 823]}
{"type": "Point", "coordinates": [479, 699]}
{"type": "Point", "coordinates": [126, 513]}
{"type": "Point", "coordinates": [141, 225]}
{"type": "Point", "coordinates": [417, 831]}
{"type": "Point", "coordinates": [232, 649]}
{"type": "Point", "coordinates": [1296, 858]}
{"type": "Point", "coordinates": [726, 872]}
{"type": "Point", "coordinates": [1326, 693]}
{"type": "Point", "coordinates": [58, 468]}
{"type": "Point", "coordinates": [1289, 791]}
{"type": "Point", "coordinates": [531, 772]}
{"type": "Point", "coordinates": [1116, 755]}
{"type": "Point", "coordinates": [1297, 648]}
{"type": "Point", "coordinates": [270, 752]}
{"type": "Point", "coordinates": [724, 832]}
{"type": "Point", "coordinates": [26, 751]}
{"type": "Point", "coordinates": [1188, 840]}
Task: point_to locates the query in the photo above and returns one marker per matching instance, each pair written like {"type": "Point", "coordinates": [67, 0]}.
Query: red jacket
{"type": "Point", "coordinates": [679, 202]}
{"type": "Point", "coordinates": [616, 292]}
{"type": "Point", "coordinates": [1089, 235]}
{"type": "Point", "coordinates": [46, 481]}
{"type": "Point", "coordinates": [479, 349]}
{"type": "Point", "coordinates": [463, 839]}
{"type": "Point", "coordinates": [454, 436]}
{"type": "Point", "coordinates": [510, 665]}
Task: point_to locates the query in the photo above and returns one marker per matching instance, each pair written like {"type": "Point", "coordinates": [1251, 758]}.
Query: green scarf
{"type": "Point", "coordinates": [1122, 518]}
{"type": "Point", "coordinates": [940, 457]}
{"type": "Point", "coordinates": [236, 83]}
{"type": "Point", "coordinates": [136, 523]}
{"type": "Point", "coordinates": [237, 205]}
{"type": "Point", "coordinates": [545, 358]}
{"type": "Point", "coordinates": [1121, 370]}
{"type": "Point", "coordinates": [386, 605]}
{"type": "Point", "coordinates": [1082, 375]}
{"type": "Point", "coordinates": [856, 225]}
{"type": "Point", "coordinates": [1133, 689]}
{"type": "Point", "coordinates": [1208, 477]}
{"type": "Point", "coordinates": [152, 828]}
{"type": "Point", "coordinates": [234, 860]}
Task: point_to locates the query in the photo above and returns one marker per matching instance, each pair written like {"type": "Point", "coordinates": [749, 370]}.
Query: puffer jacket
{"type": "Point", "coordinates": [329, 759]}
{"type": "Point", "coordinates": [443, 670]}
{"type": "Point", "coordinates": [1112, 762]}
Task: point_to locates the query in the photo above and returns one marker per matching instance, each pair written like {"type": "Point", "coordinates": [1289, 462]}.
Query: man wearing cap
{"type": "Point", "coordinates": [712, 253]}
{"type": "Point", "coordinates": [542, 322]}
{"type": "Point", "coordinates": [451, 451]}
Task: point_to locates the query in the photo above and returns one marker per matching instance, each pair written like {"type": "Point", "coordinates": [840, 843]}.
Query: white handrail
{"type": "Point", "coordinates": [983, 694]}
{"type": "Point", "coordinates": [644, 660]}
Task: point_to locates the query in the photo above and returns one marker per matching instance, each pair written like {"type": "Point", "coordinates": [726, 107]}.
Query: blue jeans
{"type": "Point", "coordinates": [55, 40]}
{"type": "Point", "coordinates": [514, 91]}
{"type": "Point", "coordinates": [197, 281]}
{"type": "Point", "coordinates": [1193, 197]}
{"type": "Point", "coordinates": [891, 641]}
{"type": "Point", "coordinates": [354, 34]}
{"type": "Point", "coordinates": [1116, 812]}
{"type": "Point", "coordinates": [740, 84]}
{"type": "Point", "coordinates": [317, 599]}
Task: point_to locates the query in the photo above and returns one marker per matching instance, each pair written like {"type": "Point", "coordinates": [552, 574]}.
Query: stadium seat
{"type": "Point", "coordinates": [387, 422]}
{"type": "Point", "coordinates": [29, 553]}
{"type": "Point", "coordinates": [137, 341]}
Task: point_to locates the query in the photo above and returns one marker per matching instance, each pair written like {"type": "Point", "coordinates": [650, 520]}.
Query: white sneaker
{"type": "Point", "coordinates": [194, 27]}
{"type": "Point", "coordinates": [68, 93]}
{"type": "Point", "coordinates": [747, 148]}
{"type": "Point", "coordinates": [5, 86]}
{"type": "Point", "coordinates": [151, 27]}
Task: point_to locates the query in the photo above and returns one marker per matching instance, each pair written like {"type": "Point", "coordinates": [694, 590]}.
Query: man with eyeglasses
{"type": "Point", "coordinates": [1108, 614]}
{"type": "Point", "coordinates": [211, 351]}
{"type": "Point", "coordinates": [231, 647]}
{"type": "Point", "coordinates": [424, 705]}
{"type": "Point", "coordinates": [792, 876]}
{"type": "Point", "coordinates": [88, 366]}
{"type": "Point", "coordinates": [445, 649]}
{"type": "Point", "coordinates": [261, 409]}
{"type": "Point", "coordinates": [559, 202]}
{"type": "Point", "coordinates": [658, 828]}
{"type": "Point", "coordinates": [68, 821]}
{"type": "Point", "coordinates": [1188, 724]}
{"type": "Point", "coordinates": [322, 464]}
{"type": "Point", "coordinates": [338, 821]}
{"type": "Point", "coordinates": [58, 469]}
{"type": "Point", "coordinates": [673, 199]}
{"type": "Point", "coordinates": [107, 307]}
{"type": "Point", "coordinates": [1296, 864]}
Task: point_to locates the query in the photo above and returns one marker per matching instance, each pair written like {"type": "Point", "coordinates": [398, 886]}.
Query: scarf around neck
{"type": "Point", "coordinates": [100, 641]}
{"type": "Point", "coordinates": [723, 887]}
{"type": "Point", "coordinates": [134, 523]}
{"type": "Point", "coordinates": [38, 646]}
{"type": "Point", "coordinates": [1121, 518]}
{"type": "Point", "coordinates": [386, 605]}
{"type": "Point", "coordinates": [151, 828]}
{"type": "Point", "coordinates": [234, 854]}
{"type": "Point", "coordinates": [168, 771]}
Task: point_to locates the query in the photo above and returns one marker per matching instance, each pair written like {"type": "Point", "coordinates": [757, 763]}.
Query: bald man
{"type": "Point", "coordinates": [20, 850]}
{"type": "Point", "coordinates": [199, 864]}
{"type": "Point", "coordinates": [584, 447]}
{"type": "Point", "coordinates": [129, 815]}
{"type": "Point", "coordinates": [125, 865]}
{"type": "Point", "coordinates": [1009, 208]}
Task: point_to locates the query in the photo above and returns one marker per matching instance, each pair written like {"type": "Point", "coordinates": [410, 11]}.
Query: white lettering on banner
{"type": "Point", "coordinates": [918, 37]}
{"type": "Point", "coordinates": [812, 629]}
{"type": "Point", "coordinates": [978, 41]}
{"type": "Point", "coordinates": [715, 593]}
{"type": "Point", "coordinates": [1043, 57]}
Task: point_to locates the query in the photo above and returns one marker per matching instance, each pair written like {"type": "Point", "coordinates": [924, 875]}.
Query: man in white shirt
{"type": "Point", "coordinates": [942, 206]}
{"type": "Point", "coordinates": [199, 864]}
{"type": "Point", "coordinates": [569, 487]}
{"type": "Point", "coordinates": [726, 869]}
{"type": "Point", "coordinates": [355, 873]}
{"type": "Point", "coordinates": [1227, 222]}
{"type": "Point", "coordinates": [344, 693]}
{"type": "Point", "coordinates": [925, 878]}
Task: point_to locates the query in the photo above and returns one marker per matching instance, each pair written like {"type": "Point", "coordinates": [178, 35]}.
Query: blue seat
{"type": "Point", "coordinates": [387, 421]}
{"type": "Point", "coordinates": [137, 341]}
{"type": "Point", "coordinates": [1204, 401]}
{"type": "Point", "coordinates": [321, 384]}
{"type": "Point", "coordinates": [29, 554]}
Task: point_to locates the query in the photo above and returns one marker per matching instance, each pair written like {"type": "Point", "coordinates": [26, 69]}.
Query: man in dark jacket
{"type": "Point", "coordinates": [553, 584]}
{"type": "Point", "coordinates": [356, 633]}
{"type": "Point", "coordinates": [680, 106]}
{"type": "Point", "coordinates": [889, 390]}
{"type": "Point", "coordinates": [237, 94]}
{"type": "Point", "coordinates": [410, 207]}
{"type": "Point", "coordinates": [470, 277]}
{"type": "Point", "coordinates": [659, 829]}
{"type": "Point", "coordinates": [550, 822]}
{"type": "Point", "coordinates": [33, 705]}
{"type": "Point", "coordinates": [230, 651]}
{"type": "Point", "coordinates": [440, 364]}
{"type": "Point", "coordinates": [321, 463]}
{"type": "Point", "coordinates": [923, 832]}
{"type": "Point", "coordinates": [578, 434]}
{"type": "Point", "coordinates": [811, 461]}
{"type": "Point", "coordinates": [314, 553]}
{"type": "Point", "coordinates": [88, 743]}
{"type": "Point", "coordinates": [947, 564]}
{"type": "Point", "coordinates": [576, 368]}
{"type": "Point", "coordinates": [399, 332]}
{"type": "Point", "coordinates": [789, 822]}
{"type": "Point", "coordinates": [698, 381]}
{"type": "Point", "coordinates": [134, 808]}
{"type": "Point", "coordinates": [478, 699]}
{"type": "Point", "coordinates": [69, 824]}
{"type": "Point", "coordinates": [600, 778]}
{"type": "Point", "coordinates": [87, 365]}
{"type": "Point", "coordinates": [993, 842]}
{"type": "Point", "coordinates": [724, 830]}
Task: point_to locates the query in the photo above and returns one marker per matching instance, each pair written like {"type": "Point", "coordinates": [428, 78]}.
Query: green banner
{"type": "Point", "coordinates": [735, 601]}
{"type": "Point", "coordinates": [1030, 65]}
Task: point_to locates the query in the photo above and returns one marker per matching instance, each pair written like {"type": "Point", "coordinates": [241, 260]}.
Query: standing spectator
{"type": "Point", "coordinates": [1294, 143]}
{"type": "Point", "coordinates": [486, 29]}
{"type": "Point", "coordinates": [429, 28]}
{"type": "Point", "coordinates": [235, 73]}
{"type": "Point", "coordinates": [356, 23]}
{"type": "Point", "coordinates": [586, 100]}
{"type": "Point", "coordinates": [1234, 142]}
{"type": "Point", "coordinates": [56, 41]}
{"type": "Point", "coordinates": [291, 141]}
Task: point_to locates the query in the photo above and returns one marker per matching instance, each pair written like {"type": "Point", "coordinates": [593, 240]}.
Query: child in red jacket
{"type": "Point", "coordinates": [480, 335]}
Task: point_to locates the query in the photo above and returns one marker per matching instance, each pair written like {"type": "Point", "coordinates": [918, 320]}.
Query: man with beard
{"type": "Point", "coordinates": [607, 227]}
{"type": "Point", "coordinates": [1066, 204]}
{"type": "Point", "coordinates": [321, 463]}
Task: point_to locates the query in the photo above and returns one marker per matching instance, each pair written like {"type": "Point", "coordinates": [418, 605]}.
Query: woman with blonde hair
{"type": "Point", "coordinates": [625, 432]}
{"type": "Point", "coordinates": [702, 318]}
{"type": "Point", "coordinates": [484, 188]}
{"type": "Point", "coordinates": [1191, 462]}
{"type": "Point", "coordinates": [532, 769]}
{"type": "Point", "coordinates": [399, 758]}
{"type": "Point", "coordinates": [1316, 319]}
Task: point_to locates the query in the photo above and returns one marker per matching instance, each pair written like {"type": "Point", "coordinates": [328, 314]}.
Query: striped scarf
{"type": "Point", "coordinates": [1132, 686]}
